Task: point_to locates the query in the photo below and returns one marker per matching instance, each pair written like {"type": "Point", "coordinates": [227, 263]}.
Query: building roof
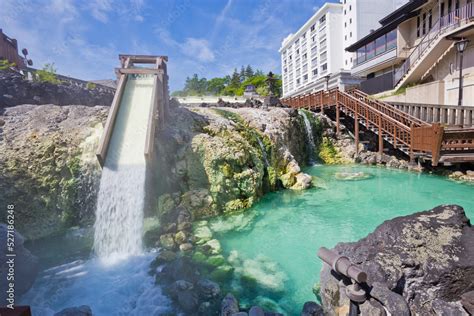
{"type": "Point", "coordinates": [390, 22]}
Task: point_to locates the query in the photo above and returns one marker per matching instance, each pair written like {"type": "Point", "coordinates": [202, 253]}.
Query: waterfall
{"type": "Point", "coordinates": [264, 152]}
{"type": "Point", "coordinates": [309, 133]}
{"type": "Point", "coordinates": [121, 198]}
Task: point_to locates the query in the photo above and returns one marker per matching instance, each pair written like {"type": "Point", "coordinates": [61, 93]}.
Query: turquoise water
{"type": "Point", "coordinates": [276, 241]}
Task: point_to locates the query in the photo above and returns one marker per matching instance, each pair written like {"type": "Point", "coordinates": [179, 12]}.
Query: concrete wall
{"type": "Point", "coordinates": [429, 93]}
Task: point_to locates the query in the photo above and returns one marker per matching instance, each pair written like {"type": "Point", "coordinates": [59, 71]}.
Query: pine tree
{"type": "Point", "coordinates": [235, 79]}
{"type": "Point", "coordinates": [242, 74]}
{"type": "Point", "coordinates": [248, 72]}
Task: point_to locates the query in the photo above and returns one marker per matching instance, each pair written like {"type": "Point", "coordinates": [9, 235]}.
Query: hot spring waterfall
{"type": "Point", "coordinates": [119, 214]}
{"type": "Point", "coordinates": [309, 133]}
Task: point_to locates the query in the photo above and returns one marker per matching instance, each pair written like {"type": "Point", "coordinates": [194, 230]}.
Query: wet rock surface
{"type": "Point", "coordinates": [421, 264]}
{"type": "Point", "coordinates": [48, 166]}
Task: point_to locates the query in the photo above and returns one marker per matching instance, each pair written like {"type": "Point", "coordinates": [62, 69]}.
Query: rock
{"type": "Point", "coordinates": [240, 314]}
{"type": "Point", "coordinates": [180, 269]}
{"type": "Point", "coordinates": [216, 261]}
{"type": "Point", "coordinates": [26, 264]}
{"type": "Point", "coordinates": [229, 305]}
{"type": "Point", "coordinates": [208, 289]}
{"type": "Point", "coordinates": [222, 273]}
{"type": "Point", "coordinates": [256, 311]}
{"type": "Point", "coordinates": [312, 309]}
{"type": "Point", "coordinates": [83, 310]}
{"type": "Point", "coordinates": [352, 176]}
{"type": "Point", "coordinates": [186, 247]}
{"type": "Point", "coordinates": [167, 241]}
{"type": "Point", "coordinates": [467, 301]}
{"type": "Point", "coordinates": [456, 175]}
{"type": "Point", "coordinates": [180, 237]}
{"type": "Point", "coordinates": [163, 256]}
{"type": "Point", "coordinates": [419, 264]}
{"type": "Point", "coordinates": [215, 246]}
{"type": "Point", "coordinates": [188, 300]}
{"type": "Point", "coordinates": [49, 169]}
{"type": "Point", "coordinates": [303, 182]}
{"type": "Point", "coordinates": [203, 234]}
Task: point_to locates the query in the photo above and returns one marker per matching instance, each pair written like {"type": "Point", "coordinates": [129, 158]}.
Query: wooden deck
{"type": "Point", "coordinates": [407, 133]}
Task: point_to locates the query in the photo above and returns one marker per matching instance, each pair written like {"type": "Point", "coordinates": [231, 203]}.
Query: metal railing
{"type": "Point", "coordinates": [441, 26]}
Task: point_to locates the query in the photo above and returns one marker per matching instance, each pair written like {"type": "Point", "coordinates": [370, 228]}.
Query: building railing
{"type": "Point", "coordinates": [441, 26]}
{"type": "Point", "coordinates": [9, 50]}
{"type": "Point", "coordinates": [443, 114]}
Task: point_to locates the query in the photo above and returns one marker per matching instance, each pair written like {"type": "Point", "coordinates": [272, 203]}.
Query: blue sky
{"type": "Point", "coordinates": [207, 37]}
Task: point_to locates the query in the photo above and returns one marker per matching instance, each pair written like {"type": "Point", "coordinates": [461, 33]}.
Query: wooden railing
{"type": "Point", "coordinates": [404, 131]}
{"type": "Point", "coordinates": [443, 114]}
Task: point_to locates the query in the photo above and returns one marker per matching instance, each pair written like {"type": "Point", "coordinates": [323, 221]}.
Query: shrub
{"type": "Point", "coordinates": [47, 74]}
{"type": "Point", "coordinates": [91, 86]}
{"type": "Point", "coordinates": [5, 64]}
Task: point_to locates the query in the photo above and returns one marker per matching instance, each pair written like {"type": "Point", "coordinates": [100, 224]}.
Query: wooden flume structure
{"type": "Point", "coordinates": [406, 133]}
{"type": "Point", "coordinates": [159, 109]}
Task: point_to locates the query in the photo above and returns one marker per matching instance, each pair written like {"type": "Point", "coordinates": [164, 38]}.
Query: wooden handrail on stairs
{"type": "Point", "coordinates": [403, 131]}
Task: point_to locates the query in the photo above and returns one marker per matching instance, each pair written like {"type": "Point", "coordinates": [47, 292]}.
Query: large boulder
{"type": "Point", "coordinates": [25, 264]}
{"type": "Point", "coordinates": [421, 264]}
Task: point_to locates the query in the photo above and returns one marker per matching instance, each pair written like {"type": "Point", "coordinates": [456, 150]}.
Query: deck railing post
{"type": "Point", "coordinates": [338, 128]}
{"type": "Point", "coordinates": [379, 123]}
{"type": "Point", "coordinates": [356, 128]}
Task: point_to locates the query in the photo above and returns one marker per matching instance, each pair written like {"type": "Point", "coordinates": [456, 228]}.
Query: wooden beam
{"type": "Point", "coordinates": [379, 123]}
{"type": "Point", "coordinates": [139, 71]}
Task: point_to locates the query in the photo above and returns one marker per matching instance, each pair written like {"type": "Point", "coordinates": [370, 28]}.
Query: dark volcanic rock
{"type": "Point", "coordinates": [420, 264]}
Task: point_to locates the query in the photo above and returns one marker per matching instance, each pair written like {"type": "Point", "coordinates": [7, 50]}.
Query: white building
{"type": "Point", "coordinates": [317, 49]}
{"type": "Point", "coordinates": [314, 51]}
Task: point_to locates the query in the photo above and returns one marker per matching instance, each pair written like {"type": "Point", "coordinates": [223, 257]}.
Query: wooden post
{"type": "Point", "coordinates": [379, 123]}
{"type": "Point", "coordinates": [338, 128]}
{"type": "Point", "coordinates": [356, 128]}
{"type": "Point", "coordinates": [412, 156]}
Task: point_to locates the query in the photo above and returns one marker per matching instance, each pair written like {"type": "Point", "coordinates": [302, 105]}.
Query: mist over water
{"type": "Point", "coordinates": [119, 214]}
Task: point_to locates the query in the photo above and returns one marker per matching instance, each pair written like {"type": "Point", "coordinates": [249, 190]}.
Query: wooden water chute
{"type": "Point", "coordinates": [160, 99]}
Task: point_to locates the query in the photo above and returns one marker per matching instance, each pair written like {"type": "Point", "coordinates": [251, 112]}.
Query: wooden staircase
{"type": "Point", "coordinates": [403, 131]}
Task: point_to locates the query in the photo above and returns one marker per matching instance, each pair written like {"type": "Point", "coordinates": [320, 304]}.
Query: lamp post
{"type": "Point", "coordinates": [461, 46]}
{"type": "Point", "coordinates": [327, 77]}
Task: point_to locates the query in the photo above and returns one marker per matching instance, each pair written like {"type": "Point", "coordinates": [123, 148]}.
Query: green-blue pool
{"type": "Point", "coordinates": [276, 241]}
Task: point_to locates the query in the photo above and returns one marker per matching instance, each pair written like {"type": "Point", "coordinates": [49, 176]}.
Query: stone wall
{"type": "Point", "coordinates": [15, 90]}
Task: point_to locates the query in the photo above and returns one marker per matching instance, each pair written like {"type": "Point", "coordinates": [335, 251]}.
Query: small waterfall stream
{"type": "Point", "coordinates": [119, 214]}
{"type": "Point", "coordinates": [264, 152]}
{"type": "Point", "coordinates": [309, 133]}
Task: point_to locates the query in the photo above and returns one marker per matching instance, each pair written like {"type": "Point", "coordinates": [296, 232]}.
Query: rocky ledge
{"type": "Point", "coordinates": [421, 264]}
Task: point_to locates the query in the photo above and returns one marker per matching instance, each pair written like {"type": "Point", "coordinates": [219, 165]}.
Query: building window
{"type": "Point", "coordinates": [430, 20]}
{"type": "Point", "coordinates": [418, 24]}
{"type": "Point", "coordinates": [350, 21]}
{"type": "Point", "coordinates": [345, 37]}
{"type": "Point", "coordinates": [324, 67]}
{"type": "Point", "coordinates": [305, 78]}
{"type": "Point", "coordinates": [350, 34]}
{"type": "Point", "coordinates": [392, 39]}
{"type": "Point", "coordinates": [322, 19]}
{"type": "Point", "coordinates": [380, 45]}
{"type": "Point", "coordinates": [350, 7]}
{"type": "Point", "coordinates": [297, 51]}
{"type": "Point", "coordinates": [424, 23]}
{"type": "Point", "coordinates": [315, 72]}
{"type": "Point", "coordinates": [370, 50]}
{"type": "Point", "coordinates": [345, 24]}
{"type": "Point", "coordinates": [345, 12]}
{"type": "Point", "coordinates": [305, 56]}
{"type": "Point", "coordinates": [313, 27]}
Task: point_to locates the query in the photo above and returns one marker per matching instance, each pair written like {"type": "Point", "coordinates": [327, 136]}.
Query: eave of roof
{"type": "Point", "coordinates": [404, 9]}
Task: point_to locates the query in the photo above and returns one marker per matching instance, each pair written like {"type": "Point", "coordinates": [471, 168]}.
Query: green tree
{"type": "Point", "coordinates": [249, 72]}
{"type": "Point", "coordinates": [242, 74]}
{"type": "Point", "coordinates": [235, 79]}
{"type": "Point", "coordinates": [216, 86]}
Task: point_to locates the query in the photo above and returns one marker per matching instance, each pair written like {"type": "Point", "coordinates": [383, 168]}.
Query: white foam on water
{"type": "Point", "coordinates": [124, 288]}
{"type": "Point", "coordinates": [119, 214]}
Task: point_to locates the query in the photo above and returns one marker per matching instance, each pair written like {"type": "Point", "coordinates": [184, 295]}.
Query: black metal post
{"type": "Point", "coordinates": [461, 55]}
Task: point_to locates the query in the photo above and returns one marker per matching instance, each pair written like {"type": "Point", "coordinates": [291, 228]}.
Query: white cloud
{"type": "Point", "coordinates": [197, 48]}
{"type": "Point", "coordinates": [100, 9]}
